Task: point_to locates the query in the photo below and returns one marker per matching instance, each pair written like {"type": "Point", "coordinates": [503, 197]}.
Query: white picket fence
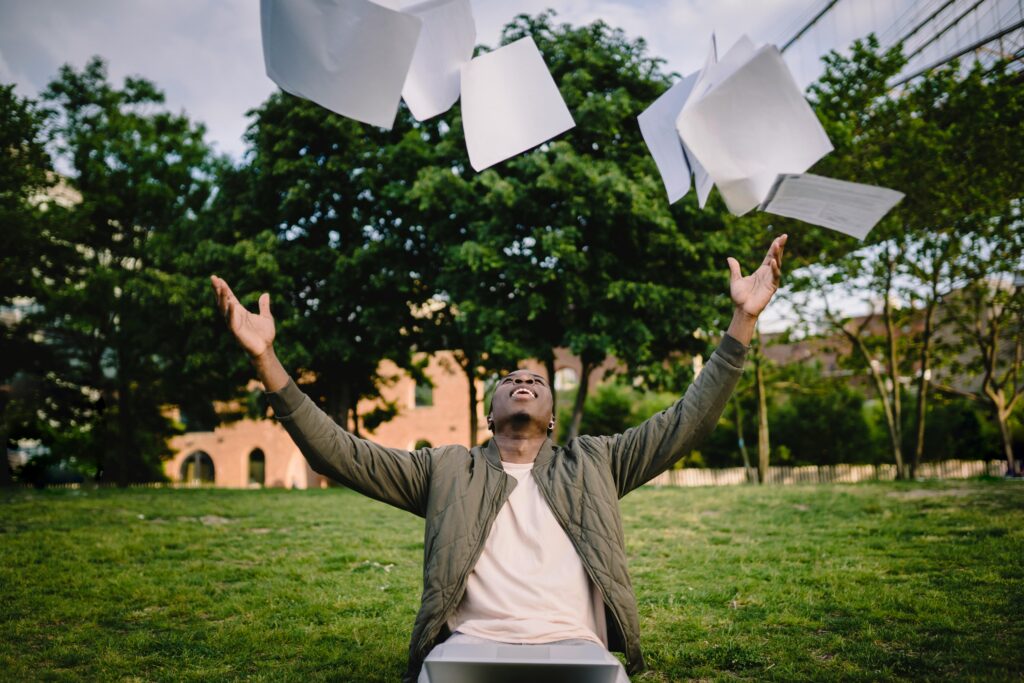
{"type": "Point", "coordinates": [147, 485]}
{"type": "Point", "coordinates": [815, 474]}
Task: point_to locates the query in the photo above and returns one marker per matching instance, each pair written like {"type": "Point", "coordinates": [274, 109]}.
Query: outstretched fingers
{"type": "Point", "coordinates": [773, 259]}
{"type": "Point", "coordinates": [225, 297]}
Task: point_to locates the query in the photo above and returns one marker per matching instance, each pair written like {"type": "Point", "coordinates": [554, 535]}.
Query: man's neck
{"type": "Point", "coordinates": [519, 448]}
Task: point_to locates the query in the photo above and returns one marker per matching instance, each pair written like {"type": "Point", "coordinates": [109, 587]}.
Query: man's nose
{"type": "Point", "coordinates": [523, 380]}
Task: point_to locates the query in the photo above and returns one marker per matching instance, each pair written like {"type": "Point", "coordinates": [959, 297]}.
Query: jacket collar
{"type": "Point", "coordinates": [493, 455]}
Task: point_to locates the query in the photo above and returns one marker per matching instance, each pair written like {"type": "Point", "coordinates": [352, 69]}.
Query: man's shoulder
{"type": "Point", "coordinates": [453, 453]}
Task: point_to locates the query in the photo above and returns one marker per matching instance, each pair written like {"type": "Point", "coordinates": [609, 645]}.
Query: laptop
{"type": "Point", "coordinates": [486, 663]}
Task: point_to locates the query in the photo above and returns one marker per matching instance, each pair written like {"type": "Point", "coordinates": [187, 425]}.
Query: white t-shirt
{"type": "Point", "coordinates": [529, 585]}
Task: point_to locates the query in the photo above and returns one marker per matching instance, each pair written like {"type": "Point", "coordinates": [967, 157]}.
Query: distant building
{"type": "Point", "coordinates": [256, 453]}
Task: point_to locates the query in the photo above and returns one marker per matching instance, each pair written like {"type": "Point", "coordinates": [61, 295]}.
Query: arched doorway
{"type": "Point", "coordinates": [566, 379]}
{"type": "Point", "coordinates": [198, 468]}
{"type": "Point", "coordinates": [257, 468]}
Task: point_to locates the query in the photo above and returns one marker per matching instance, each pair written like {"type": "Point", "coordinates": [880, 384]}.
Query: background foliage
{"type": "Point", "coordinates": [380, 245]}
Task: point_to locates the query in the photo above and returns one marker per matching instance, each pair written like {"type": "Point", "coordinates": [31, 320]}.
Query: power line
{"type": "Point", "coordinates": [921, 24]}
{"type": "Point", "coordinates": [913, 11]}
{"type": "Point", "coordinates": [796, 21]}
{"type": "Point", "coordinates": [809, 24]}
{"type": "Point", "coordinates": [970, 48]}
{"type": "Point", "coordinates": [944, 29]}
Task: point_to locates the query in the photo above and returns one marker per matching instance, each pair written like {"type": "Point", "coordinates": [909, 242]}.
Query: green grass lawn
{"type": "Point", "coordinates": [830, 582]}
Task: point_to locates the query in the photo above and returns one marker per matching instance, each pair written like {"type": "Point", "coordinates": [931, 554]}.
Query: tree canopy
{"type": "Point", "coordinates": [382, 245]}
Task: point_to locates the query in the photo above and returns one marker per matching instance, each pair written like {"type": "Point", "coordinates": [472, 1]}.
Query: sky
{"type": "Point", "coordinates": [207, 57]}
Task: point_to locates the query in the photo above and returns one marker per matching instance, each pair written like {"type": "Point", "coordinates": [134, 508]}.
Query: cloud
{"type": "Point", "coordinates": [7, 74]}
{"type": "Point", "coordinates": [207, 56]}
{"type": "Point", "coordinates": [675, 30]}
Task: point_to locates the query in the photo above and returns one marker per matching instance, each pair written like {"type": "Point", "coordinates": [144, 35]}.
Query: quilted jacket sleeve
{"type": "Point", "coordinates": [391, 475]}
{"type": "Point", "coordinates": [642, 452]}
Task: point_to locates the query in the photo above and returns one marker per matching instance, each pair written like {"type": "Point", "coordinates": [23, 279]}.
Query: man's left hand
{"type": "Point", "coordinates": [752, 293]}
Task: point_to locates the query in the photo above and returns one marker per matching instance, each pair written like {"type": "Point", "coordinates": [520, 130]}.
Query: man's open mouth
{"type": "Point", "coordinates": [523, 391]}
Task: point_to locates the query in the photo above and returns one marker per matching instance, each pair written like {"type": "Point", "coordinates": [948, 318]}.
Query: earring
{"type": "Point", "coordinates": [551, 425]}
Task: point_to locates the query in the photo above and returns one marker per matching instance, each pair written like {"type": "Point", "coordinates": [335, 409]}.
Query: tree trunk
{"type": "Point", "coordinates": [890, 397]}
{"type": "Point", "coordinates": [896, 428]}
{"type": "Point", "coordinates": [355, 420]}
{"type": "Point", "coordinates": [922, 387]}
{"type": "Point", "coordinates": [339, 402]}
{"type": "Point", "coordinates": [474, 423]}
{"type": "Point", "coordinates": [763, 443]}
{"type": "Point", "coordinates": [1003, 418]}
{"type": "Point", "coordinates": [123, 446]}
{"type": "Point", "coordinates": [883, 395]}
{"type": "Point", "coordinates": [549, 367]}
{"type": "Point", "coordinates": [747, 468]}
{"type": "Point", "coordinates": [6, 479]}
{"type": "Point", "coordinates": [580, 402]}
{"type": "Point", "coordinates": [467, 364]}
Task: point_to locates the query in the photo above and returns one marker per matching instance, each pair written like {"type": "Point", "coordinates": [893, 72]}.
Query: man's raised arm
{"type": "Point", "coordinates": [391, 475]}
{"type": "Point", "coordinates": [641, 453]}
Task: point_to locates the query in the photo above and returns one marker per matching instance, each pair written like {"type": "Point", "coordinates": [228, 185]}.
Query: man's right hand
{"type": "Point", "coordinates": [254, 333]}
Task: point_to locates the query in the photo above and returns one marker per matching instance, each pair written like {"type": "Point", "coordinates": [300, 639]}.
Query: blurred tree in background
{"type": "Point", "coordinates": [109, 312]}
{"type": "Point", "coordinates": [30, 244]}
{"type": "Point", "coordinates": [380, 245]}
{"type": "Point", "coordinates": [954, 144]}
{"type": "Point", "coordinates": [574, 244]}
{"type": "Point", "coordinates": [329, 195]}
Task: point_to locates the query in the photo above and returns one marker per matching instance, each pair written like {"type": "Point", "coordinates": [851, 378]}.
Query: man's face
{"type": "Point", "coordinates": [522, 397]}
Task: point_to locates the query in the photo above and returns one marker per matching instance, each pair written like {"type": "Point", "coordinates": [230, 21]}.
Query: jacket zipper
{"type": "Point", "coordinates": [464, 575]}
{"type": "Point", "coordinates": [584, 562]}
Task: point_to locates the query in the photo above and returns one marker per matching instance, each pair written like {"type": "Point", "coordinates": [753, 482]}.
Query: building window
{"type": "Point", "coordinates": [566, 379]}
{"type": "Point", "coordinates": [257, 468]}
{"type": "Point", "coordinates": [198, 468]}
{"type": "Point", "coordinates": [423, 395]}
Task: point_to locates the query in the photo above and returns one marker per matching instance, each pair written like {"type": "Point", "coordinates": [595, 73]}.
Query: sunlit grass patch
{"type": "Point", "coordinates": [843, 582]}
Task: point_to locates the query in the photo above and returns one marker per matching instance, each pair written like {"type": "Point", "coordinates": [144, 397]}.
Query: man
{"type": "Point", "coordinates": [523, 540]}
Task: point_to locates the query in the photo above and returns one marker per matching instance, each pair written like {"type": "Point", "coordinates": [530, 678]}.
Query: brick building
{"type": "Point", "coordinates": [260, 453]}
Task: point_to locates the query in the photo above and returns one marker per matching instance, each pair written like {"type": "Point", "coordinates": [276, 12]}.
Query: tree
{"type": "Point", "coordinates": [139, 171]}
{"type": "Point", "coordinates": [988, 313]}
{"type": "Point", "coordinates": [822, 421]}
{"type": "Point", "coordinates": [951, 142]}
{"type": "Point", "coordinates": [330, 193]}
{"type": "Point", "coordinates": [763, 438]}
{"type": "Point", "coordinates": [575, 240]}
{"type": "Point", "coordinates": [472, 312]}
{"type": "Point", "coordinates": [25, 177]}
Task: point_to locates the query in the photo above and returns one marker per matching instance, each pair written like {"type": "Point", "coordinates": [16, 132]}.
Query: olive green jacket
{"type": "Point", "coordinates": [459, 492]}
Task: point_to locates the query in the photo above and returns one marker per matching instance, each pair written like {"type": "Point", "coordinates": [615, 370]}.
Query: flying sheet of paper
{"type": "Point", "coordinates": [850, 208]}
{"type": "Point", "coordinates": [715, 71]}
{"type": "Point", "coordinates": [658, 128]}
{"type": "Point", "coordinates": [701, 180]}
{"type": "Point", "coordinates": [510, 103]}
{"type": "Point", "coordinates": [751, 126]}
{"type": "Point", "coordinates": [446, 43]}
{"type": "Point", "coordinates": [350, 56]}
